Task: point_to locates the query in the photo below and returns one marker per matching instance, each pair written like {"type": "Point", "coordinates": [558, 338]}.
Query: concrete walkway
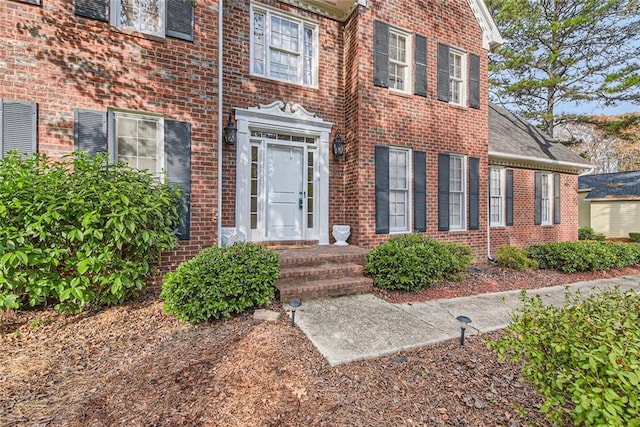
{"type": "Point", "coordinates": [359, 327]}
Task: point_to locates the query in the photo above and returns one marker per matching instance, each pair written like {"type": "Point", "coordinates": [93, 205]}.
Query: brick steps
{"type": "Point", "coordinates": [324, 288]}
{"type": "Point", "coordinates": [322, 271]}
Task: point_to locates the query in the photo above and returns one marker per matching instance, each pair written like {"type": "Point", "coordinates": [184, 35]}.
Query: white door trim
{"type": "Point", "coordinates": [284, 118]}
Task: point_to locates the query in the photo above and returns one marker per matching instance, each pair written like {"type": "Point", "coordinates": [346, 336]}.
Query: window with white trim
{"type": "Point", "coordinates": [496, 197]}
{"type": "Point", "coordinates": [399, 57]}
{"type": "Point", "coordinates": [283, 47]}
{"type": "Point", "coordinates": [456, 77]}
{"type": "Point", "coordinates": [144, 16]}
{"type": "Point", "coordinates": [139, 140]}
{"type": "Point", "coordinates": [457, 192]}
{"type": "Point", "coordinates": [546, 199]}
{"type": "Point", "coordinates": [399, 189]}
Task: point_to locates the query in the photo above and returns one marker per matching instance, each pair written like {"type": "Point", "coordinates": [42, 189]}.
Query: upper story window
{"type": "Point", "coordinates": [139, 141]}
{"type": "Point", "coordinates": [144, 16]}
{"type": "Point", "coordinates": [456, 77]}
{"type": "Point", "coordinates": [496, 197]}
{"type": "Point", "coordinates": [399, 70]}
{"type": "Point", "coordinates": [457, 192]}
{"type": "Point", "coordinates": [283, 47]}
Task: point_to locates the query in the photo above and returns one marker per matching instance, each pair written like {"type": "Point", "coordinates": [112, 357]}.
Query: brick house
{"type": "Point", "coordinates": [403, 84]}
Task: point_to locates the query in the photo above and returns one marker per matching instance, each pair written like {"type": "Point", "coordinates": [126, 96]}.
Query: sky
{"type": "Point", "coordinates": [595, 109]}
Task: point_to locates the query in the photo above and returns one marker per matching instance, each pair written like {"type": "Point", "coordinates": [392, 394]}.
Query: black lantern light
{"type": "Point", "coordinates": [230, 132]}
{"type": "Point", "coordinates": [464, 321]}
{"type": "Point", "coordinates": [338, 145]}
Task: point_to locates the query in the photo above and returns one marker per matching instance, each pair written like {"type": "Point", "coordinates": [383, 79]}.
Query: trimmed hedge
{"type": "Point", "coordinates": [220, 281]}
{"type": "Point", "coordinates": [587, 233]}
{"type": "Point", "coordinates": [584, 357]}
{"type": "Point", "coordinates": [412, 262]}
{"type": "Point", "coordinates": [516, 258]}
{"type": "Point", "coordinates": [585, 255]}
{"type": "Point", "coordinates": [80, 230]}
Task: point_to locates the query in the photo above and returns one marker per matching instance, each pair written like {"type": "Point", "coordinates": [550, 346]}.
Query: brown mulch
{"type": "Point", "coordinates": [134, 365]}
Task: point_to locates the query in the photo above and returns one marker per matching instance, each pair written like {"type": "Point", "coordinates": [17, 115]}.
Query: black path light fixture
{"type": "Point", "coordinates": [294, 304]}
{"type": "Point", "coordinates": [230, 132]}
{"type": "Point", "coordinates": [338, 144]}
{"type": "Point", "coordinates": [464, 321]}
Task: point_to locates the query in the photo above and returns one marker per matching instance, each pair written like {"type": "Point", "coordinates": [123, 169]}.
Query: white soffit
{"type": "Point", "coordinates": [336, 9]}
{"type": "Point", "coordinates": [490, 35]}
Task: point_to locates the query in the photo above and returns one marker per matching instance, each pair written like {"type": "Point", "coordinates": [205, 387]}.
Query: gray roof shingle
{"type": "Point", "coordinates": [611, 185]}
{"type": "Point", "coordinates": [512, 135]}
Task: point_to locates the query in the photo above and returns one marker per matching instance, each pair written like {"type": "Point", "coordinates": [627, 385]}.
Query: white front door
{"type": "Point", "coordinates": [284, 192]}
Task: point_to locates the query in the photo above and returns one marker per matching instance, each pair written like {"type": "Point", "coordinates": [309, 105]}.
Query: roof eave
{"type": "Point", "coordinates": [527, 162]}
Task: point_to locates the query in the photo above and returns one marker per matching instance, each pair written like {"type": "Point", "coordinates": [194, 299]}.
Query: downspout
{"type": "Point", "coordinates": [220, 114]}
{"type": "Point", "coordinates": [489, 230]}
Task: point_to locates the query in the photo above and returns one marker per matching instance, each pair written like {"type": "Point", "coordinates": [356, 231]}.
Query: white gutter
{"type": "Point", "coordinates": [220, 114]}
{"type": "Point", "coordinates": [534, 160]}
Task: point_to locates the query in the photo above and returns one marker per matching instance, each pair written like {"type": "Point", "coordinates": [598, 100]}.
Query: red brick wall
{"type": "Point", "coordinates": [424, 124]}
{"type": "Point", "coordinates": [241, 90]}
{"type": "Point", "coordinates": [524, 232]}
{"type": "Point", "coordinates": [63, 61]}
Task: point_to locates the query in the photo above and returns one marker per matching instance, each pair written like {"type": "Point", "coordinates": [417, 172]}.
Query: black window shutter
{"type": "Point", "coordinates": [177, 152]}
{"type": "Point", "coordinates": [556, 198]}
{"type": "Point", "coordinates": [443, 72]}
{"type": "Point", "coordinates": [19, 126]}
{"type": "Point", "coordinates": [509, 197]}
{"type": "Point", "coordinates": [381, 54]}
{"type": "Point", "coordinates": [537, 204]}
{"type": "Point", "coordinates": [90, 131]}
{"type": "Point", "coordinates": [180, 19]}
{"type": "Point", "coordinates": [420, 191]}
{"type": "Point", "coordinates": [420, 66]}
{"type": "Point", "coordinates": [94, 9]}
{"type": "Point", "coordinates": [382, 189]}
{"type": "Point", "coordinates": [474, 81]}
{"type": "Point", "coordinates": [443, 192]}
{"type": "Point", "coordinates": [474, 193]}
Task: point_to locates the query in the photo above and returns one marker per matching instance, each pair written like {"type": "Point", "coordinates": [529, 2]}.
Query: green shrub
{"type": "Point", "coordinates": [587, 233]}
{"type": "Point", "coordinates": [412, 262]}
{"type": "Point", "coordinates": [79, 230]}
{"type": "Point", "coordinates": [220, 281]}
{"type": "Point", "coordinates": [584, 357]}
{"type": "Point", "coordinates": [516, 258]}
{"type": "Point", "coordinates": [635, 237]}
{"type": "Point", "coordinates": [585, 255]}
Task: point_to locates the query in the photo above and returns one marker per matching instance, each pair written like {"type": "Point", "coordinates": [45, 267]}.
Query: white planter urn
{"type": "Point", "coordinates": [341, 233]}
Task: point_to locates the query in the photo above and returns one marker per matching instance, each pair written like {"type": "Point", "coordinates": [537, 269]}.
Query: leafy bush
{"type": "Point", "coordinates": [516, 258]}
{"type": "Point", "coordinates": [412, 262]}
{"type": "Point", "coordinates": [220, 281]}
{"type": "Point", "coordinates": [79, 230]}
{"type": "Point", "coordinates": [587, 233]}
{"type": "Point", "coordinates": [635, 237]}
{"type": "Point", "coordinates": [584, 357]}
{"type": "Point", "coordinates": [585, 255]}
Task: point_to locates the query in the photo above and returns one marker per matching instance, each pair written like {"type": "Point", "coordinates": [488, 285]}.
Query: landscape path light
{"type": "Point", "coordinates": [294, 304]}
{"type": "Point", "coordinates": [464, 321]}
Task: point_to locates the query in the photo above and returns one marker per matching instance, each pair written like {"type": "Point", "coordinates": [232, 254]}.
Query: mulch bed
{"type": "Point", "coordinates": [134, 365]}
